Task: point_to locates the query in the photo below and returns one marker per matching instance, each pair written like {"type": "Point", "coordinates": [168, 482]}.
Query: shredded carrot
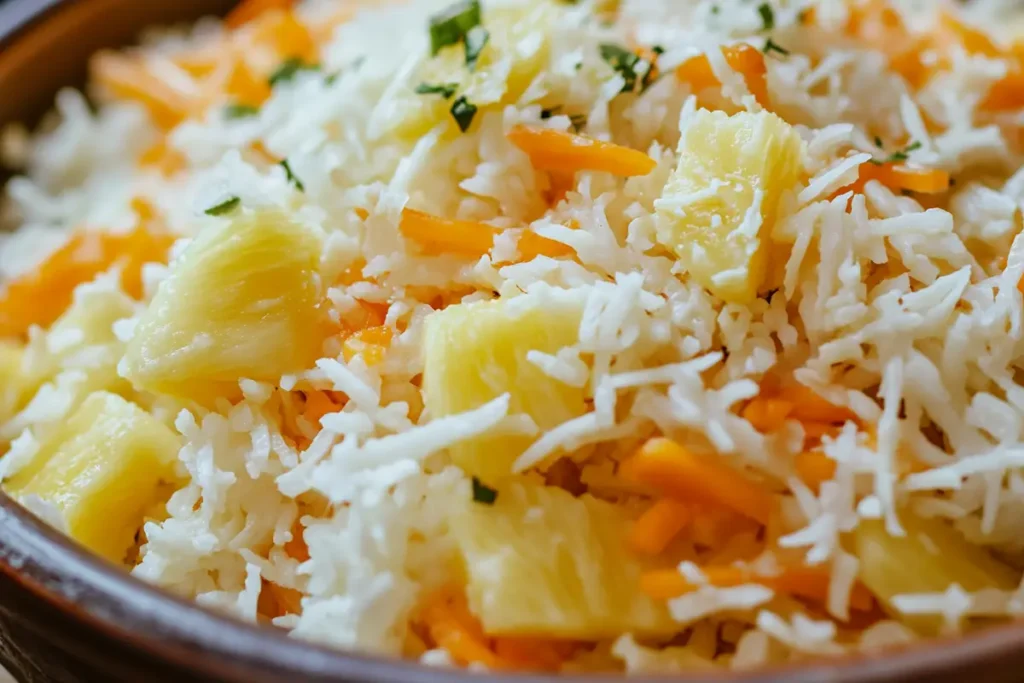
{"type": "Point", "coordinates": [767, 414]}
{"type": "Point", "coordinates": [531, 245]}
{"type": "Point", "coordinates": [801, 581]}
{"type": "Point", "coordinates": [810, 406]}
{"type": "Point", "coordinates": [297, 548]}
{"type": "Point", "coordinates": [128, 79]}
{"type": "Point", "coordinates": [1006, 94]}
{"type": "Point", "coordinates": [437, 235]}
{"type": "Point", "coordinates": [318, 404]}
{"type": "Point", "coordinates": [364, 315]}
{"type": "Point", "coordinates": [901, 177]}
{"type": "Point", "coordinates": [453, 628]}
{"type": "Point", "coordinates": [160, 156]}
{"type": "Point", "coordinates": [974, 41]}
{"type": "Point", "coordinates": [245, 87]}
{"type": "Point", "coordinates": [658, 526]}
{"type": "Point", "coordinates": [533, 654]}
{"type": "Point", "coordinates": [40, 296]}
{"type": "Point", "coordinates": [288, 35]}
{"type": "Point", "coordinates": [814, 468]}
{"type": "Point", "coordinates": [561, 183]}
{"type": "Point", "coordinates": [745, 59]}
{"type": "Point", "coordinates": [675, 471]}
{"type": "Point", "coordinates": [371, 344]}
{"type": "Point", "coordinates": [144, 209]}
{"type": "Point", "coordinates": [814, 431]}
{"type": "Point", "coordinates": [554, 150]}
{"type": "Point", "coordinates": [1020, 284]}
{"type": "Point", "coordinates": [247, 10]}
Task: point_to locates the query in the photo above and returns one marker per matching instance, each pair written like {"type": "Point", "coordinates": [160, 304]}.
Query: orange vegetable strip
{"type": "Point", "coordinates": [809, 406]}
{"type": "Point", "coordinates": [247, 10]}
{"type": "Point", "coordinates": [40, 296]}
{"type": "Point", "coordinates": [767, 414]}
{"type": "Point", "coordinates": [245, 87]}
{"type": "Point", "coordinates": [800, 581]}
{"type": "Point", "coordinates": [297, 548]}
{"type": "Point", "coordinates": [1006, 94]}
{"type": "Point", "coordinates": [533, 654]}
{"type": "Point", "coordinates": [438, 235]}
{"type": "Point", "coordinates": [370, 343]}
{"type": "Point", "coordinates": [532, 245]}
{"type": "Point", "coordinates": [814, 468]}
{"type": "Point", "coordinates": [167, 160]}
{"type": "Point", "coordinates": [675, 471]}
{"type": "Point", "coordinates": [128, 79]}
{"type": "Point", "coordinates": [288, 35]}
{"type": "Point", "coordinates": [555, 150]}
{"type": "Point", "coordinates": [973, 40]}
{"type": "Point", "coordinates": [656, 528]}
{"type": "Point", "coordinates": [899, 177]}
{"type": "Point", "coordinates": [318, 404]}
{"type": "Point", "coordinates": [745, 59]}
{"type": "Point", "coordinates": [454, 629]}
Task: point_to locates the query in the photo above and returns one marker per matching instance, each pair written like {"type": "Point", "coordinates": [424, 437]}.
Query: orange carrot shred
{"type": "Point", "coordinates": [453, 628]}
{"type": "Point", "coordinates": [658, 526]}
{"type": "Point", "coordinates": [767, 414]}
{"type": "Point", "coordinates": [297, 548]}
{"type": "Point", "coordinates": [531, 245]}
{"type": "Point", "coordinates": [288, 35]}
{"type": "Point", "coordinates": [814, 468]}
{"type": "Point", "coordinates": [973, 40]}
{"type": "Point", "coordinates": [245, 87]}
{"type": "Point", "coordinates": [162, 157]}
{"type": "Point", "coordinates": [370, 343]}
{"type": "Point", "coordinates": [1006, 94]}
{"type": "Point", "coordinates": [805, 582]}
{"type": "Point", "coordinates": [128, 79]}
{"type": "Point", "coordinates": [247, 10]}
{"type": "Point", "coordinates": [745, 59]}
{"type": "Point", "coordinates": [554, 150]}
{"type": "Point", "coordinates": [673, 470]}
{"type": "Point", "coordinates": [810, 406]}
{"type": "Point", "coordinates": [436, 235]}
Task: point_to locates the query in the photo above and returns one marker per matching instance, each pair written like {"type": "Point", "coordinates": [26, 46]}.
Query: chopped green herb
{"type": "Point", "coordinates": [463, 112]}
{"type": "Point", "coordinates": [901, 155]}
{"type": "Point", "coordinates": [878, 142]}
{"type": "Point", "coordinates": [623, 62]}
{"type": "Point", "coordinates": [482, 493]}
{"type": "Point", "coordinates": [445, 90]}
{"type": "Point", "coordinates": [548, 113]}
{"type": "Point", "coordinates": [767, 16]}
{"type": "Point", "coordinates": [240, 111]}
{"type": "Point", "coordinates": [226, 206]}
{"type": "Point", "coordinates": [658, 50]}
{"type": "Point", "coordinates": [292, 178]}
{"type": "Point", "coordinates": [715, 9]}
{"type": "Point", "coordinates": [451, 26]}
{"type": "Point", "coordinates": [771, 46]}
{"type": "Point", "coordinates": [288, 69]}
{"type": "Point", "coordinates": [476, 40]}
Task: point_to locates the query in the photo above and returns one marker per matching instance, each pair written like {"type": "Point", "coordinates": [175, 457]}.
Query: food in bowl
{"type": "Point", "coordinates": [536, 335]}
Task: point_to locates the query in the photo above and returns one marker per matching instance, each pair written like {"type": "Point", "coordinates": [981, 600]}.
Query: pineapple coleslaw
{"type": "Point", "coordinates": [536, 335]}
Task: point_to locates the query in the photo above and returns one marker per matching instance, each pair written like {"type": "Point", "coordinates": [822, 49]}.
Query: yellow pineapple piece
{"type": "Point", "coordinates": [243, 301]}
{"type": "Point", "coordinates": [542, 563]}
{"type": "Point", "coordinates": [718, 207]}
{"type": "Point", "coordinates": [12, 379]}
{"type": "Point", "coordinates": [476, 352]}
{"type": "Point", "coordinates": [102, 468]}
{"type": "Point", "coordinates": [506, 66]}
{"type": "Point", "coordinates": [929, 559]}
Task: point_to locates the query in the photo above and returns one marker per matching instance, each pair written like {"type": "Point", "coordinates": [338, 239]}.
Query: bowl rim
{"type": "Point", "coordinates": [100, 595]}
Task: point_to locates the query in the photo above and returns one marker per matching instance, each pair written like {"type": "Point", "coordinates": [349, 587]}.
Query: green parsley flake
{"type": "Point", "coordinates": [292, 178]}
{"type": "Point", "coordinates": [483, 493]}
{"type": "Point", "coordinates": [901, 155]}
{"type": "Point", "coordinates": [767, 16]}
{"type": "Point", "coordinates": [624, 63]}
{"type": "Point", "coordinates": [771, 46]}
{"type": "Point", "coordinates": [445, 90]}
{"type": "Point", "coordinates": [288, 69]}
{"type": "Point", "coordinates": [240, 111]}
{"type": "Point", "coordinates": [226, 206]}
{"type": "Point", "coordinates": [451, 26]}
{"type": "Point", "coordinates": [463, 111]}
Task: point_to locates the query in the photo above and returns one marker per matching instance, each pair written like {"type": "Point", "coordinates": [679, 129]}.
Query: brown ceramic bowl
{"type": "Point", "coordinates": [67, 617]}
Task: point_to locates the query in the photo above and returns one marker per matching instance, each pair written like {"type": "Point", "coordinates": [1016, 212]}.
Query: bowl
{"type": "Point", "coordinates": [68, 616]}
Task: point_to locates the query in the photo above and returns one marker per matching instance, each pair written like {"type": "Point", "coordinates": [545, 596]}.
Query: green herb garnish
{"type": "Point", "coordinates": [767, 16]}
{"type": "Point", "coordinates": [624, 63]}
{"type": "Point", "coordinates": [226, 206]}
{"type": "Point", "coordinates": [577, 120]}
{"type": "Point", "coordinates": [240, 111]}
{"type": "Point", "coordinates": [483, 493]}
{"type": "Point", "coordinates": [878, 142]}
{"type": "Point", "coordinates": [901, 155]}
{"type": "Point", "coordinates": [771, 46]}
{"type": "Point", "coordinates": [288, 68]}
{"type": "Point", "coordinates": [463, 112]}
{"type": "Point", "coordinates": [292, 178]}
{"type": "Point", "coordinates": [476, 40]}
{"type": "Point", "coordinates": [445, 90]}
{"type": "Point", "coordinates": [451, 26]}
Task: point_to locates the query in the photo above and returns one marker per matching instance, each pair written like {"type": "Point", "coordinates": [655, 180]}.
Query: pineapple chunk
{"type": "Point", "coordinates": [476, 352]}
{"type": "Point", "coordinates": [505, 68]}
{"type": "Point", "coordinates": [243, 301]}
{"type": "Point", "coordinates": [718, 207]}
{"type": "Point", "coordinates": [929, 559]}
{"type": "Point", "coordinates": [542, 563]}
{"type": "Point", "coordinates": [12, 379]}
{"type": "Point", "coordinates": [102, 468]}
